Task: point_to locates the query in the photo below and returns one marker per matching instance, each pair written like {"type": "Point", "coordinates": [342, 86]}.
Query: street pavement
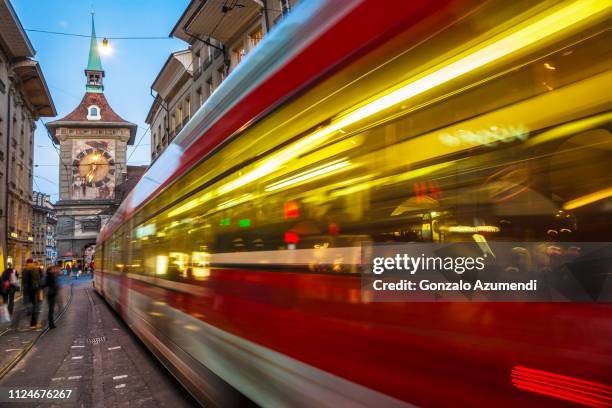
{"type": "Point", "coordinates": [93, 353]}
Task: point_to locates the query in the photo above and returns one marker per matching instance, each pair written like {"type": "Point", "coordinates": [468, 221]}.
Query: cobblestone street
{"type": "Point", "coordinates": [93, 353]}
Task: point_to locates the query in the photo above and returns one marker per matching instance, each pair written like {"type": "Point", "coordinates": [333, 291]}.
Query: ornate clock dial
{"type": "Point", "coordinates": [95, 166]}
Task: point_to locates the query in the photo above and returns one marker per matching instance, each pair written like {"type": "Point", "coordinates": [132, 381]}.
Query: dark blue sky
{"type": "Point", "coordinates": [130, 69]}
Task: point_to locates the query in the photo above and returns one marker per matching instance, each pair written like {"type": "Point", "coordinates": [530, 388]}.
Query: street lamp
{"type": "Point", "coordinates": [105, 49]}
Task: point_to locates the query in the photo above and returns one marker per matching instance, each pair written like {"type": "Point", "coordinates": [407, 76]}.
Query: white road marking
{"type": "Point", "coordinates": [115, 328]}
{"type": "Point", "coordinates": [77, 346]}
{"type": "Point", "coordinates": [57, 378]}
{"type": "Point", "coordinates": [120, 386]}
{"type": "Point", "coordinates": [12, 350]}
{"type": "Point", "coordinates": [118, 377]}
{"type": "Point", "coordinates": [77, 357]}
{"type": "Point", "coordinates": [74, 377]}
{"type": "Point", "coordinates": [114, 348]}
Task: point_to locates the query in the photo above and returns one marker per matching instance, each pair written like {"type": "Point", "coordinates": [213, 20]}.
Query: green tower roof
{"type": "Point", "coordinates": [94, 63]}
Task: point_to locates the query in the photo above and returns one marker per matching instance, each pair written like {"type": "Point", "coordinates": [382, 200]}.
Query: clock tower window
{"type": "Point", "coordinates": [93, 112]}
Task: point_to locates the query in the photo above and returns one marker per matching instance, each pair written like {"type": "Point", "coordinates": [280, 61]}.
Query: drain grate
{"type": "Point", "coordinates": [96, 340]}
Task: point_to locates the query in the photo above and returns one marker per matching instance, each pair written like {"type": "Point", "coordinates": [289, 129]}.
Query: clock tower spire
{"type": "Point", "coordinates": [94, 71]}
{"type": "Point", "coordinates": [93, 142]}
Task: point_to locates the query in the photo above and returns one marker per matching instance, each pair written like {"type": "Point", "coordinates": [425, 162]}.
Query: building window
{"type": "Point", "coordinates": [94, 79]}
{"type": "Point", "coordinates": [90, 224]}
{"type": "Point", "coordinates": [285, 7]}
{"type": "Point", "coordinates": [172, 122]}
{"type": "Point", "coordinates": [93, 113]}
{"type": "Point", "coordinates": [180, 115]}
{"type": "Point", "coordinates": [239, 54]}
{"type": "Point", "coordinates": [255, 37]}
{"type": "Point", "coordinates": [187, 109]}
{"type": "Point", "coordinates": [199, 96]}
{"type": "Point", "coordinates": [209, 84]}
{"type": "Point", "coordinates": [198, 60]}
{"type": "Point", "coordinates": [221, 72]}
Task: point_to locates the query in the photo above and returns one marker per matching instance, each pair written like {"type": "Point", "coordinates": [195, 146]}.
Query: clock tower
{"type": "Point", "coordinates": [93, 141]}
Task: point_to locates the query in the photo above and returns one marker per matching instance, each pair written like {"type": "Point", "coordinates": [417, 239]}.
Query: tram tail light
{"type": "Point", "coordinates": [564, 387]}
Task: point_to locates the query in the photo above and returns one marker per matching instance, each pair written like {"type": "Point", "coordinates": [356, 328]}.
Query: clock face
{"type": "Point", "coordinates": [95, 167]}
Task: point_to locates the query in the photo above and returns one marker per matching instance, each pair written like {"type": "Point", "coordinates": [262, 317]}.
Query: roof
{"type": "Point", "coordinates": [177, 69]}
{"type": "Point", "coordinates": [153, 109]}
{"type": "Point", "coordinates": [178, 30]}
{"type": "Point", "coordinates": [218, 19]}
{"type": "Point", "coordinates": [94, 63]}
{"type": "Point", "coordinates": [13, 39]}
{"type": "Point", "coordinates": [78, 117]}
{"type": "Point", "coordinates": [177, 64]}
{"type": "Point", "coordinates": [35, 87]}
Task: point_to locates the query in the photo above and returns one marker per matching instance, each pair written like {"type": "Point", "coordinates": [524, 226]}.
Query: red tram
{"type": "Point", "coordinates": [236, 257]}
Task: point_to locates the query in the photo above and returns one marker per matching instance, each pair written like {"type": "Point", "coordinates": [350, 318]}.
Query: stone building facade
{"type": "Point", "coordinates": [219, 36]}
{"type": "Point", "coordinates": [43, 229]}
{"type": "Point", "coordinates": [172, 106]}
{"type": "Point", "coordinates": [24, 98]}
{"type": "Point", "coordinates": [93, 141]}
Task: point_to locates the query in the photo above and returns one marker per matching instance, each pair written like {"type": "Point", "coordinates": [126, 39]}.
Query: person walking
{"type": "Point", "coordinates": [10, 285]}
{"type": "Point", "coordinates": [75, 270]}
{"type": "Point", "coordinates": [53, 288]}
{"type": "Point", "coordinates": [31, 287]}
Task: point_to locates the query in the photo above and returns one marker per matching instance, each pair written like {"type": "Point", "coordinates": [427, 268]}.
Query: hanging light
{"type": "Point", "coordinates": [105, 49]}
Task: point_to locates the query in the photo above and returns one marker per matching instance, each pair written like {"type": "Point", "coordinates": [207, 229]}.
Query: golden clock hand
{"type": "Point", "coordinates": [90, 173]}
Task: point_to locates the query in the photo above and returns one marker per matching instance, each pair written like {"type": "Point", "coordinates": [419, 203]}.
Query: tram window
{"type": "Point", "coordinates": [475, 162]}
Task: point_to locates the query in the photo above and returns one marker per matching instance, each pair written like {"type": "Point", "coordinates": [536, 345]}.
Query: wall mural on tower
{"type": "Point", "coordinates": [93, 170]}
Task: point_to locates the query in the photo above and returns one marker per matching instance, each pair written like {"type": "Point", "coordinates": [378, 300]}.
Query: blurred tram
{"type": "Point", "coordinates": [236, 257]}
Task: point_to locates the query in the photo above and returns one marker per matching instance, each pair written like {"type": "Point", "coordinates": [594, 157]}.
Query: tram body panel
{"type": "Point", "coordinates": [215, 258]}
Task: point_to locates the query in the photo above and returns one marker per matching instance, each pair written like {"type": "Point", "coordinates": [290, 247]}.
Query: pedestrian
{"type": "Point", "coordinates": [53, 289]}
{"type": "Point", "coordinates": [41, 273]}
{"type": "Point", "coordinates": [75, 270]}
{"type": "Point", "coordinates": [31, 289]}
{"type": "Point", "coordinates": [10, 285]}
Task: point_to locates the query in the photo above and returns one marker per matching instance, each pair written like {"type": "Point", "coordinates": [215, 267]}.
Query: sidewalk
{"type": "Point", "coordinates": [94, 354]}
{"type": "Point", "coordinates": [17, 334]}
